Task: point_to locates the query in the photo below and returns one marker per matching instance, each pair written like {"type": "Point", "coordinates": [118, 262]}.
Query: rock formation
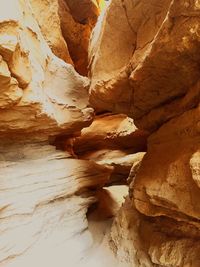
{"type": "Point", "coordinates": [45, 193]}
{"type": "Point", "coordinates": [66, 26]}
{"type": "Point", "coordinates": [134, 120]}
{"type": "Point", "coordinates": [114, 141]}
{"type": "Point", "coordinates": [153, 77]}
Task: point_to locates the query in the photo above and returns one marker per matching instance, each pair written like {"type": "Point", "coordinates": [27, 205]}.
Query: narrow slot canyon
{"type": "Point", "coordinates": [99, 133]}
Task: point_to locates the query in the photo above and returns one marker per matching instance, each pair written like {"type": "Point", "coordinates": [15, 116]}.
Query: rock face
{"type": "Point", "coordinates": [149, 37]}
{"type": "Point", "coordinates": [45, 193]}
{"type": "Point", "coordinates": [77, 19]}
{"type": "Point", "coordinates": [144, 64]}
{"type": "Point", "coordinates": [153, 77]}
{"type": "Point", "coordinates": [66, 26]}
{"type": "Point", "coordinates": [44, 200]}
{"type": "Point", "coordinates": [113, 141]}
{"type": "Point", "coordinates": [40, 92]}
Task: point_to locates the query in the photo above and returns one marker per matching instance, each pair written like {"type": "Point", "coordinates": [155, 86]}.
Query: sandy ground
{"type": "Point", "coordinates": [100, 254]}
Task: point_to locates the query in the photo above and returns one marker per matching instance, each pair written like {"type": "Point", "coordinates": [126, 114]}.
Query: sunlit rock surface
{"type": "Point", "coordinates": [40, 93]}
{"type": "Point", "coordinates": [77, 19]}
{"type": "Point", "coordinates": [114, 141]}
{"type": "Point", "coordinates": [143, 63]}
{"type": "Point", "coordinates": [45, 193]}
{"type": "Point", "coordinates": [66, 26]}
{"type": "Point", "coordinates": [44, 199]}
{"type": "Point", "coordinates": [145, 60]}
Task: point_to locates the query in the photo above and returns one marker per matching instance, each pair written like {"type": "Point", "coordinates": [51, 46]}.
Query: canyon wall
{"type": "Point", "coordinates": [153, 77]}
{"type": "Point", "coordinates": [44, 192]}
{"type": "Point", "coordinates": [64, 136]}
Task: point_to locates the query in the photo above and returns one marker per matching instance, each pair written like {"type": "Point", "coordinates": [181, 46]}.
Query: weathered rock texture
{"type": "Point", "coordinates": [132, 70]}
{"type": "Point", "coordinates": [66, 26]}
{"type": "Point", "coordinates": [113, 141]}
{"type": "Point", "coordinates": [44, 200]}
{"type": "Point", "coordinates": [144, 62]}
{"type": "Point", "coordinates": [153, 77]}
{"type": "Point", "coordinates": [44, 193]}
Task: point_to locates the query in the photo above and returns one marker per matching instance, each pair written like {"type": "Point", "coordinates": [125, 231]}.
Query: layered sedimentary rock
{"type": "Point", "coordinates": [40, 93]}
{"type": "Point", "coordinates": [153, 77]}
{"type": "Point", "coordinates": [45, 193]}
{"type": "Point", "coordinates": [44, 200]}
{"type": "Point", "coordinates": [112, 140]}
{"type": "Point", "coordinates": [144, 62]}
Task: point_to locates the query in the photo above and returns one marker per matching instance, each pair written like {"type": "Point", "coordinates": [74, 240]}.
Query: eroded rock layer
{"type": "Point", "coordinates": [153, 77]}
{"type": "Point", "coordinates": [144, 62]}
{"type": "Point", "coordinates": [45, 193]}
{"type": "Point", "coordinates": [114, 141]}
{"type": "Point", "coordinates": [44, 200]}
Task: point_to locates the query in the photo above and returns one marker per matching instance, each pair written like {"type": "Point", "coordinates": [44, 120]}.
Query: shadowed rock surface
{"type": "Point", "coordinates": [153, 77]}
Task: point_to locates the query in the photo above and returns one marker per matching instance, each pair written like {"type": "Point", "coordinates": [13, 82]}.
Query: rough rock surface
{"type": "Point", "coordinates": [112, 140]}
{"type": "Point", "coordinates": [141, 80]}
{"type": "Point", "coordinates": [153, 77]}
{"type": "Point", "coordinates": [45, 193]}
{"type": "Point", "coordinates": [46, 13]}
{"type": "Point", "coordinates": [40, 93]}
{"type": "Point", "coordinates": [44, 200]}
{"type": "Point", "coordinates": [77, 19]}
{"type": "Point", "coordinates": [66, 26]}
{"type": "Point", "coordinates": [144, 62]}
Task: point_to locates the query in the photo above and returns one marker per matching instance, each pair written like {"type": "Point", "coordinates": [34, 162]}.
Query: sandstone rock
{"type": "Point", "coordinates": [77, 20]}
{"type": "Point", "coordinates": [195, 167]}
{"type": "Point", "coordinates": [45, 193]}
{"type": "Point", "coordinates": [66, 26]}
{"type": "Point", "coordinates": [46, 13]}
{"type": "Point", "coordinates": [54, 99]}
{"type": "Point", "coordinates": [165, 191]}
{"type": "Point", "coordinates": [44, 199]}
{"type": "Point", "coordinates": [85, 11]}
{"type": "Point", "coordinates": [126, 240]}
{"type": "Point", "coordinates": [160, 190]}
{"type": "Point", "coordinates": [121, 164]}
{"type": "Point", "coordinates": [141, 80]}
{"type": "Point", "coordinates": [111, 140]}
{"type": "Point", "coordinates": [139, 240]}
{"type": "Point", "coordinates": [144, 62]}
{"type": "Point", "coordinates": [153, 77]}
{"type": "Point", "coordinates": [113, 131]}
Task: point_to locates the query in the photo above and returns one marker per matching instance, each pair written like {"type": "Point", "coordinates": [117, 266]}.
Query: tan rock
{"type": "Point", "coordinates": [140, 78]}
{"type": "Point", "coordinates": [111, 140]}
{"type": "Point", "coordinates": [171, 147]}
{"type": "Point", "coordinates": [77, 20]}
{"type": "Point", "coordinates": [113, 131]}
{"type": "Point", "coordinates": [45, 193]}
{"type": "Point", "coordinates": [85, 12]}
{"type": "Point", "coordinates": [54, 99]}
{"type": "Point", "coordinates": [195, 167]}
{"type": "Point", "coordinates": [166, 190]}
{"type": "Point", "coordinates": [154, 77]}
{"type": "Point", "coordinates": [46, 13]}
{"type": "Point", "coordinates": [126, 240]}
{"type": "Point", "coordinates": [140, 241]}
{"type": "Point", "coordinates": [66, 26]}
{"type": "Point", "coordinates": [44, 200]}
{"type": "Point", "coordinates": [10, 91]}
